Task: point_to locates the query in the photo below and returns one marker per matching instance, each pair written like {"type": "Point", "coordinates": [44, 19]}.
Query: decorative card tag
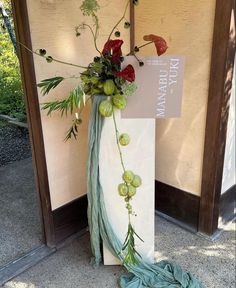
{"type": "Point", "coordinates": [159, 87]}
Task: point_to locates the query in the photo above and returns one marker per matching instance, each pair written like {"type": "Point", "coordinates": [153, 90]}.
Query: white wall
{"type": "Point", "coordinates": [52, 25]}
{"type": "Point", "coordinates": [229, 172]}
{"type": "Point", "coordinates": [188, 28]}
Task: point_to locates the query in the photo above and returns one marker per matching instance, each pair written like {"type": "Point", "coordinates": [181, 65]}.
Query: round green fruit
{"type": "Point", "coordinates": [119, 101]}
{"type": "Point", "coordinates": [109, 87]}
{"type": "Point", "coordinates": [123, 189]}
{"type": "Point", "coordinates": [131, 191]}
{"type": "Point", "coordinates": [105, 108]}
{"type": "Point", "coordinates": [128, 176]}
{"type": "Point", "coordinates": [124, 139]}
{"type": "Point", "coordinates": [137, 181]}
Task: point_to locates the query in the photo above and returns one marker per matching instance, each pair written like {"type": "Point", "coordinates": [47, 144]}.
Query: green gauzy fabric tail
{"type": "Point", "coordinates": [158, 275]}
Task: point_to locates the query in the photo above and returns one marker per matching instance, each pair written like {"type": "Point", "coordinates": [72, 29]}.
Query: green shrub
{"type": "Point", "coordinates": [11, 93]}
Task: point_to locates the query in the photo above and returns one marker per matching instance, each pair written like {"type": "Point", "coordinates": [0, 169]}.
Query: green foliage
{"type": "Point", "coordinates": [89, 7]}
{"type": "Point", "coordinates": [7, 7]}
{"type": "Point", "coordinates": [48, 84]}
{"type": "Point", "coordinates": [129, 89]}
{"type": "Point", "coordinates": [132, 256]}
{"type": "Point", "coordinates": [11, 93]}
{"type": "Point", "coordinates": [73, 131]}
{"type": "Point", "coordinates": [72, 103]}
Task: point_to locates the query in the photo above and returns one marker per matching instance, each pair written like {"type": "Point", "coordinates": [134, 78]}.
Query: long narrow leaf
{"type": "Point", "coordinates": [47, 85]}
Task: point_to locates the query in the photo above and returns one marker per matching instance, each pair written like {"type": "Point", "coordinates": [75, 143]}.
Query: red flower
{"type": "Point", "coordinates": [113, 47]}
{"type": "Point", "coordinates": [160, 43]}
{"type": "Point", "coordinates": [128, 73]}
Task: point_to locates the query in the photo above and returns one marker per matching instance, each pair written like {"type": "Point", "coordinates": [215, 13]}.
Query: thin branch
{"type": "Point", "coordinates": [93, 34]}
{"type": "Point", "coordinates": [139, 47]}
{"type": "Point", "coordinates": [117, 24]}
{"type": "Point", "coordinates": [117, 140]}
{"type": "Point", "coordinates": [53, 59]}
{"type": "Point", "coordinates": [96, 31]}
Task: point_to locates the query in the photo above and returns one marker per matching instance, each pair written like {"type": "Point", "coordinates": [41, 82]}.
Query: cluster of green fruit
{"type": "Point", "coordinates": [128, 188]}
{"type": "Point", "coordinates": [99, 79]}
{"type": "Point", "coordinates": [116, 100]}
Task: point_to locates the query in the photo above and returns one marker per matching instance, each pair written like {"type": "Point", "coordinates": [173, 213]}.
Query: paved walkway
{"type": "Point", "coordinates": [213, 262]}
{"type": "Point", "coordinates": [20, 226]}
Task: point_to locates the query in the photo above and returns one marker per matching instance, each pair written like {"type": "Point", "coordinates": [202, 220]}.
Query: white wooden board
{"type": "Point", "coordinates": [139, 156]}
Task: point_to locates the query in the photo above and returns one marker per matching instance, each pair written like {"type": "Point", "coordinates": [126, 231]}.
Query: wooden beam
{"type": "Point", "coordinates": [221, 74]}
{"type": "Point", "coordinates": [34, 118]}
{"type": "Point", "coordinates": [177, 204]}
{"type": "Point", "coordinates": [132, 25]}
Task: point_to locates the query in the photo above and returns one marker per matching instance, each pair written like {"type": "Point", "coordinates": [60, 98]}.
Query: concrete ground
{"type": "Point", "coordinates": [20, 227]}
{"type": "Point", "coordinates": [212, 262]}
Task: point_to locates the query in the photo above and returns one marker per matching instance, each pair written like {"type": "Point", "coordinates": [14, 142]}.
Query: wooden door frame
{"type": "Point", "coordinates": [22, 29]}
{"type": "Point", "coordinates": [216, 125]}
{"type": "Point", "coordinates": [221, 75]}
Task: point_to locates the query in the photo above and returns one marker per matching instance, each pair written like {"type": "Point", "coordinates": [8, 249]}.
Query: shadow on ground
{"type": "Point", "coordinates": [213, 262]}
{"type": "Point", "coordinates": [20, 226]}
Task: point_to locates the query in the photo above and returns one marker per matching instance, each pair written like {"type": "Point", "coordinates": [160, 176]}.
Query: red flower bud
{"type": "Point", "coordinates": [160, 43]}
{"type": "Point", "coordinates": [128, 73]}
{"type": "Point", "coordinates": [113, 47]}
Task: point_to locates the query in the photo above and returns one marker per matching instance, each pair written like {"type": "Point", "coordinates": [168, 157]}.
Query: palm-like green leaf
{"type": "Point", "coordinates": [131, 254]}
{"type": "Point", "coordinates": [70, 104]}
{"type": "Point", "coordinates": [47, 85]}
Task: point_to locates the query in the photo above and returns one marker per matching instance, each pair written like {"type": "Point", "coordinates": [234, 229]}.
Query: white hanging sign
{"type": "Point", "coordinates": [159, 87]}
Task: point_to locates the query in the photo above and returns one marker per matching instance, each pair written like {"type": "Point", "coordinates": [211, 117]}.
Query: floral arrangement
{"type": "Point", "coordinates": [104, 76]}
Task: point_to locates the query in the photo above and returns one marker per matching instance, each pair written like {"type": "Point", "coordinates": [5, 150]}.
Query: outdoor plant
{"type": "Point", "coordinates": [106, 76]}
{"type": "Point", "coordinates": [11, 93]}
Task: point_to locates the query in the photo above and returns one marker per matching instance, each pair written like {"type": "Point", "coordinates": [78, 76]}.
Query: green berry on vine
{"type": "Point", "coordinates": [129, 208]}
{"type": "Point", "coordinates": [137, 181]}
{"type": "Point", "coordinates": [49, 59]}
{"type": "Point", "coordinates": [117, 33]}
{"type": "Point", "coordinates": [124, 139]}
{"type": "Point", "coordinates": [109, 87]}
{"type": "Point", "coordinates": [128, 176]}
{"type": "Point", "coordinates": [131, 191]}
{"type": "Point", "coordinates": [79, 121]}
{"type": "Point", "coordinates": [119, 101]}
{"type": "Point", "coordinates": [42, 52]}
{"type": "Point", "coordinates": [96, 59]}
{"type": "Point", "coordinates": [127, 25]}
{"type": "Point", "coordinates": [141, 63]}
{"type": "Point", "coordinates": [123, 189]}
{"type": "Point", "coordinates": [105, 108]}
